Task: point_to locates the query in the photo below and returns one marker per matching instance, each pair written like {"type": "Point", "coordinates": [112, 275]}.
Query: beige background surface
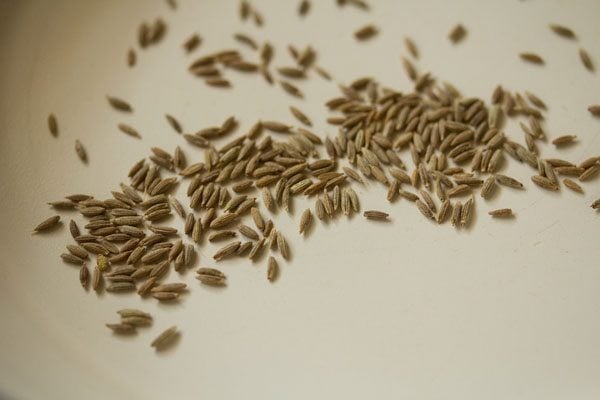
{"type": "Point", "coordinates": [409, 310]}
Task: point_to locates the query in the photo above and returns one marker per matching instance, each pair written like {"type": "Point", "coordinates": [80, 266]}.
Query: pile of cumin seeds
{"type": "Point", "coordinates": [429, 145]}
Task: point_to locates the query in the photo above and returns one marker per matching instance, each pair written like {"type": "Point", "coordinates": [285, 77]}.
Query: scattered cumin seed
{"type": "Point", "coordinates": [84, 276]}
{"type": "Point", "coordinates": [586, 60]}
{"type": "Point", "coordinates": [411, 47]}
{"type": "Point", "coordinates": [563, 31]}
{"type": "Point", "coordinates": [532, 58]}
{"type": "Point", "coordinates": [594, 110]}
{"type": "Point", "coordinates": [47, 224]}
{"type": "Point", "coordinates": [544, 182]}
{"type": "Point", "coordinates": [508, 181]}
{"type": "Point", "coordinates": [467, 212]}
{"type": "Point", "coordinates": [52, 125]}
{"type": "Point", "coordinates": [119, 104]}
{"type": "Point", "coordinates": [131, 58]}
{"type": "Point", "coordinates": [291, 89]}
{"type": "Point", "coordinates": [501, 213]}
{"type": "Point", "coordinates": [272, 269]}
{"type": "Point", "coordinates": [258, 18]}
{"type": "Point", "coordinates": [535, 100]}
{"type": "Point", "coordinates": [303, 8]}
{"type": "Point", "coordinates": [80, 150]}
{"type": "Point", "coordinates": [376, 215]}
{"type": "Point", "coordinates": [121, 328]}
{"type": "Point", "coordinates": [456, 215]}
{"type": "Point", "coordinates": [323, 73]}
{"type": "Point", "coordinates": [596, 204]}
{"type": "Point", "coordinates": [217, 82]}
{"type": "Point", "coordinates": [211, 276]}
{"type": "Point", "coordinates": [129, 130]}
{"type": "Point", "coordinates": [300, 116]}
{"type": "Point", "coordinates": [165, 338]}
{"type": "Point", "coordinates": [457, 34]}
{"type": "Point", "coordinates": [192, 43]}
{"type": "Point", "coordinates": [425, 210]}
{"type": "Point", "coordinates": [366, 32]}
{"type": "Point", "coordinates": [589, 173]}
{"type": "Point", "coordinates": [564, 140]}
{"type": "Point", "coordinates": [572, 185]}
{"type": "Point", "coordinates": [283, 246]}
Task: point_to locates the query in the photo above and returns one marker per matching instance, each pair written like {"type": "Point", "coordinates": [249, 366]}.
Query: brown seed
{"type": "Point", "coordinates": [283, 246]}
{"type": "Point", "coordinates": [303, 8]}
{"type": "Point", "coordinates": [596, 204]}
{"type": "Point", "coordinates": [131, 58]}
{"type": "Point", "coordinates": [564, 140]}
{"type": "Point", "coordinates": [366, 32]}
{"type": "Point", "coordinates": [508, 181]}
{"type": "Point", "coordinates": [300, 116]}
{"type": "Point", "coordinates": [410, 69]}
{"type": "Point", "coordinates": [586, 60]}
{"type": "Point", "coordinates": [457, 34]}
{"type": "Point", "coordinates": [136, 320]}
{"type": "Point", "coordinates": [226, 251]}
{"type": "Point", "coordinates": [174, 123]}
{"type": "Point", "coordinates": [376, 215]}
{"type": "Point", "coordinates": [291, 89]}
{"type": "Point", "coordinates": [47, 224]}
{"type": "Point", "coordinates": [532, 58]}
{"type": "Point", "coordinates": [272, 269]}
{"type": "Point", "coordinates": [467, 211]}
{"type": "Point", "coordinates": [572, 185]}
{"type": "Point", "coordinates": [456, 215]}
{"type": "Point", "coordinates": [488, 187]}
{"type": "Point", "coordinates": [305, 221]}
{"type": "Point", "coordinates": [501, 213]}
{"type": "Point", "coordinates": [53, 125]}
{"type": "Point", "coordinates": [411, 47]}
{"type": "Point", "coordinates": [544, 182]}
{"type": "Point", "coordinates": [425, 210]}
{"type": "Point", "coordinates": [322, 73]}
{"type": "Point", "coordinates": [77, 251]}
{"type": "Point", "coordinates": [119, 104]}
{"type": "Point", "coordinates": [589, 173]}
{"type": "Point", "coordinates": [275, 126]}
{"type": "Point", "coordinates": [563, 31]}
{"type": "Point", "coordinates": [129, 130]}
{"type": "Point", "coordinates": [535, 100]}
{"type": "Point", "coordinates": [80, 150]}
{"type": "Point", "coordinates": [217, 82]}
{"type": "Point", "coordinates": [258, 218]}
{"type": "Point", "coordinates": [192, 43]}
{"type": "Point", "coordinates": [594, 110]}
{"type": "Point", "coordinates": [248, 232]}
{"type": "Point", "coordinates": [165, 338]}
{"type": "Point", "coordinates": [169, 287]}
{"type": "Point", "coordinates": [121, 328]}
{"type": "Point", "coordinates": [120, 287]}
{"type": "Point", "coordinates": [84, 276]}
{"type": "Point", "coordinates": [71, 259]}
{"type": "Point", "coordinates": [211, 276]}
{"type": "Point", "coordinates": [224, 220]}
{"type": "Point", "coordinates": [165, 296]}
{"type": "Point", "coordinates": [268, 199]}
{"type": "Point", "coordinates": [444, 211]}
{"type": "Point", "coordinates": [146, 286]}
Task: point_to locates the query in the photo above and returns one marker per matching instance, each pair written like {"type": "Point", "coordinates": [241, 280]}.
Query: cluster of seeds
{"type": "Point", "coordinates": [432, 147]}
